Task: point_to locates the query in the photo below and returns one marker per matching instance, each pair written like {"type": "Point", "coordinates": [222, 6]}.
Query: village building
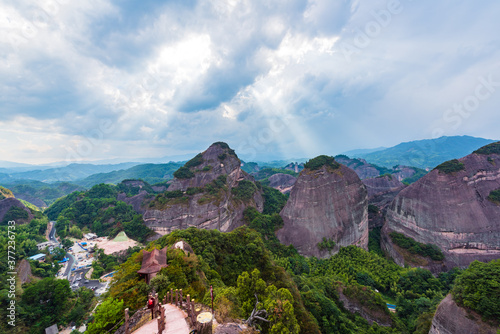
{"type": "Point", "coordinates": [152, 263]}
{"type": "Point", "coordinates": [38, 257]}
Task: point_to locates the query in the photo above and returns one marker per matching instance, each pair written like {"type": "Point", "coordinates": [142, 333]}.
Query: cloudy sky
{"type": "Point", "coordinates": [103, 79]}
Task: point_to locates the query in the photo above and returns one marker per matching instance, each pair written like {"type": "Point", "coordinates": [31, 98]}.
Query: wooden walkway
{"type": "Point", "coordinates": [174, 320]}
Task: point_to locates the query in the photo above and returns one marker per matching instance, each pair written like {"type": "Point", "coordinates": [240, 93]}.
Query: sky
{"type": "Point", "coordinates": [120, 79]}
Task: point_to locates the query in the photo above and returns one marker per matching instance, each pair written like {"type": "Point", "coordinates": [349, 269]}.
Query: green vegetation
{"type": "Point", "coordinates": [151, 173]}
{"type": "Point", "coordinates": [494, 196]}
{"type": "Point", "coordinates": [274, 200]}
{"type": "Point", "coordinates": [326, 245]}
{"type": "Point", "coordinates": [99, 211]}
{"type": "Point", "coordinates": [40, 193]}
{"type": "Point", "coordinates": [419, 173]}
{"type": "Point", "coordinates": [321, 161]}
{"type": "Point", "coordinates": [451, 166]}
{"type": "Point", "coordinates": [106, 316]}
{"type": "Point", "coordinates": [225, 146]}
{"type": "Point", "coordinates": [264, 174]}
{"type": "Point", "coordinates": [207, 168]}
{"type": "Point", "coordinates": [196, 161]}
{"type": "Point", "coordinates": [244, 191]}
{"type": "Point", "coordinates": [373, 209]}
{"type": "Point", "coordinates": [236, 264]}
{"type": "Point", "coordinates": [493, 148]}
{"type": "Point", "coordinates": [429, 250]}
{"type": "Point", "coordinates": [16, 214]}
{"type": "Point", "coordinates": [194, 191]}
{"type": "Point", "coordinates": [478, 289]}
{"type": "Point", "coordinates": [49, 301]}
{"type": "Point", "coordinates": [133, 187]}
{"type": "Point", "coordinates": [108, 263]}
{"type": "Point", "coordinates": [374, 241]}
{"type": "Point", "coordinates": [183, 173]}
{"type": "Point", "coordinates": [4, 193]}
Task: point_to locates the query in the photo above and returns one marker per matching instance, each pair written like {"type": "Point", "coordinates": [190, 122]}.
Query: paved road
{"type": "Point", "coordinates": [52, 234]}
{"type": "Point", "coordinates": [175, 322]}
{"type": "Point", "coordinates": [78, 276]}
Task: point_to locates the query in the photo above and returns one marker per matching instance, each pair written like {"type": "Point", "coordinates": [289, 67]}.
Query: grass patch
{"type": "Point", "coordinates": [451, 166]}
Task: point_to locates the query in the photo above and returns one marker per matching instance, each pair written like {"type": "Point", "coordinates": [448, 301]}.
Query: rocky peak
{"type": "Point", "coordinates": [327, 208]}
{"type": "Point", "coordinates": [218, 159]}
{"type": "Point", "coordinates": [452, 207]}
{"type": "Point", "coordinates": [210, 191]}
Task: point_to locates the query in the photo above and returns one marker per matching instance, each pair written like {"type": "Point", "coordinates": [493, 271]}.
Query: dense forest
{"type": "Point", "coordinates": [300, 294]}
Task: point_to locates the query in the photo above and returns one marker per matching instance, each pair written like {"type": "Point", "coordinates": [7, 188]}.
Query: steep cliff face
{"type": "Point", "coordinates": [453, 319]}
{"type": "Point", "coordinates": [382, 189]}
{"type": "Point", "coordinates": [449, 207]}
{"type": "Point", "coordinates": [210, 191]}
{"type": "Point", "coordinates": [282, 182]}
{"type": "Point", "coordinates": [327, 201]}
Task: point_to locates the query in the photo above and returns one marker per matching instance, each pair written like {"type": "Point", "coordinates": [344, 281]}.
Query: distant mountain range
{"type": "Point", "coordinates": [425, 154]}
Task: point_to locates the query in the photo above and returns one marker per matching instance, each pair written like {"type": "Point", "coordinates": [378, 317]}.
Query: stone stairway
{"type": "Point", "coordinates": [174, 320]}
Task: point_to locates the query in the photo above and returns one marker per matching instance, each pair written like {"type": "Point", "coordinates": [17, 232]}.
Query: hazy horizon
{"type": "Point", "coordinates": [121, 80]}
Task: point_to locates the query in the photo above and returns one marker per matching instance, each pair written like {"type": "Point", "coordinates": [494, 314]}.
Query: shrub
{"type": "Point", "coordinates": [244, 191]}
{"type": "Point", "coordinates": [326, 244]}
{"type": "Point", "coordinates": [225, 147]}
{"type": "Point", "coordinates": [373, 209]}
{"type": "Point", "coordinates": [493, 148]}
{"type": "Point", "coordinates": [477, 288]}
{"type": "Point", "coordinates": [196, 161]}
{"type": "Point", "coordinates": [494, 196]}
{"type": "Point", "coordinates": [193, 191]}
{"type": "Point", "coordinates": [207, 168]}
{"type": "Point", "coordinates": [451, 166]}
{"type": "Point", "coordinates": [183, 173]}
{"type": "Point", "coordinates": [321, 161]}
{"type": "Point", "coordinates": [173, 194]}
{"type": "Point", "coordinates": [415, 247]}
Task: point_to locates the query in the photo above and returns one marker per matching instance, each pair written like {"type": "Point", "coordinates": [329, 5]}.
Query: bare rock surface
{"type": "Point", "coordinates": [364, 169]}
{"type": "Point", "coordinates": [452, 211]}
{"type": "Point", "coordinates": [453, 319]}
{"type": "Point", "coordinates": [370, 314]}
{"type": "Point", "coordinates": [282, 182]}
{"type": "Point", "coordinates": [382, 189]}
{"type": "Point", "coordinates": [221, 211]}
{"type": "Point", "coordinates": [24, 271]}
{"type": "Point", "coordinates": [325, 203]}
{"type": "Point", "coordinates": [135, 201]}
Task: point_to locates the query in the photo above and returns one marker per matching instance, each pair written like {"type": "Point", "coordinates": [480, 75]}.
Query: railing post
{"type": "Point", "coordinates": [180, 298]}
{"type": "Point", "coordinates": [176, 297]}
{"type": "Point", "coordinates": [126, 321]}
{"type": "Point", "coordinates": [171, 296]}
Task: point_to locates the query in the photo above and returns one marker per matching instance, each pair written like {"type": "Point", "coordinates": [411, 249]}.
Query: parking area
{"type": "Point", "coordinates": [77, 280]}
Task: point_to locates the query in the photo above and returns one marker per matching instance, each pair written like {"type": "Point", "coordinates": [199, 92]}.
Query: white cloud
{"type": "Point", "coordinates": [178, 76]}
